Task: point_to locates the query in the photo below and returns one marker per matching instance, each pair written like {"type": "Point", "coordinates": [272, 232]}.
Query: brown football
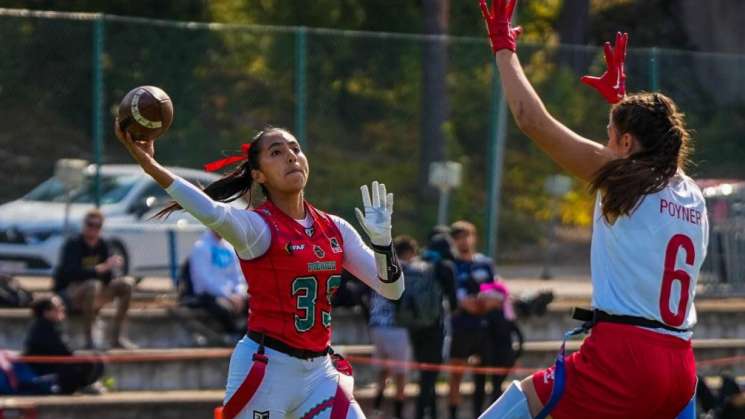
{"type": "Point", "coordinates": [146, 112]}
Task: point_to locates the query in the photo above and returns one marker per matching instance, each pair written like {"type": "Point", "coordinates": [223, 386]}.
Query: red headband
{"type": "Point", "coordinates": [219, 164]}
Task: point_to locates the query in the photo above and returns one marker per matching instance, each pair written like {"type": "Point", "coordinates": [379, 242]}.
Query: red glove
{"type": "Point", "coordinates": [612, 84]}
{"type": "Point", "coordinates": [501, 34]}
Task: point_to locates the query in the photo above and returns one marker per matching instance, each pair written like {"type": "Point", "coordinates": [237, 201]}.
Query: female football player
{"type": "Point", "coordinates": [649, 240]}
{"type": "Point", "coordinates": [292, 255]}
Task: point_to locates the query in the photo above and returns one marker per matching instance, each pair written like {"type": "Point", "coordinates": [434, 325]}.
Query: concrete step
{"type": "Point", "coordinates": [147, 327]}
{"type": "Point", "coordinates": [168, 325]}
{"type": "Point", "coordinates": [149, 292]}
{"type": "Point", "coordinates": [163, 327]}
{"type": "Point", "coordinates": [196, 404]}
{"type": "Point", "coordinates": [206, 368]}
{"type": "Point", "coordinates": [713, 357]}
{"type": "Point", "coordinates": [717, 319]}
{"type": "Point", "coordinates": [118, 405]}
{"type": "Point", "coordinates": [152, 285]}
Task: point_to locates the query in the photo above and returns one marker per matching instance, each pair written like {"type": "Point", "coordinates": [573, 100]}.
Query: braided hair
{"type": "Point", "coordinates": [236, 183]}
{"type": "Point", "coordinates": [654, 120]}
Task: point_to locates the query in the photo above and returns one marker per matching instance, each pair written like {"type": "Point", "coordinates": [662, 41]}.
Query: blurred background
{"type": "Point", "coordinates": [381, 90]}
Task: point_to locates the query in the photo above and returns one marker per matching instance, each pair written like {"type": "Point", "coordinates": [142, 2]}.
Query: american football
{"type": "Point", "coordinates": [146, 112]}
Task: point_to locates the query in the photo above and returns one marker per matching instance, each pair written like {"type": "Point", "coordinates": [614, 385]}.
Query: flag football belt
{"type": "Point", "coordinates": [286, 349]}
{"type": "Point", "coordinates": [591, 317]}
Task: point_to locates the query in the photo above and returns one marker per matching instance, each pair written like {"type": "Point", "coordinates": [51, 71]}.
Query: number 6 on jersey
{"type": "Point", "coordinates": [671, 275]}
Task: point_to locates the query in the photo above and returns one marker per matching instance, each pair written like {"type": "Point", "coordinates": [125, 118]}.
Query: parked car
{"type": "Point", "coordinates": [33, 228]}
{"type": "Point", "coordinates": [723, 266]}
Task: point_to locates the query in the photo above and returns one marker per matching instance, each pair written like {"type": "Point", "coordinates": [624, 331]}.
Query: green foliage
{"type": "Point", "coordinates": [363, 96]}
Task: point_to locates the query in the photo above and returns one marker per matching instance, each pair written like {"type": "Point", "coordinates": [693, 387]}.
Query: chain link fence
{"type": "Point", "coordinates": [354, 99]}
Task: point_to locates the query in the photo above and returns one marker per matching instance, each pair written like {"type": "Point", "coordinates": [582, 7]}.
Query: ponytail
{"type": "Point", "coordinates": [235, 184]}
{"type": "Point", "coordinates": [654, 120]}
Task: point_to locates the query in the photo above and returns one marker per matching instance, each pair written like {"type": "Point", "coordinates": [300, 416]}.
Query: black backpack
{"type": "Point", "coordinates": [185, 287]}
{"type": "Point", "coordinates": [420, 305]}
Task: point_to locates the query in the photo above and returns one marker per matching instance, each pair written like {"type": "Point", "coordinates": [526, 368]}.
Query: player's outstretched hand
{"type": "Point", "coordinates": [141, 151]}
{"type": "Point", "coordinates": [376, 220]}
{"type": "Point", "coordinates": [612, 84]}
{"type": "Point", "coordinates": [498, 22]}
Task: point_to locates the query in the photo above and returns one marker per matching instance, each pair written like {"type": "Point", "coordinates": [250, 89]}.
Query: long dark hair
{"type": "Point", "coordinates": [236, 183]}
{"type": "Point", "coordinates": [654, 120]}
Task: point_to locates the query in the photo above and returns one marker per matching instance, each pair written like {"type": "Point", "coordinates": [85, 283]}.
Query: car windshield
{"type": "Point", "coordinates": [113, 190]}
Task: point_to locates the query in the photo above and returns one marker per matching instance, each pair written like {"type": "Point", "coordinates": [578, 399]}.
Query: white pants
{"type": "Point", "coordinates": [292, 388]}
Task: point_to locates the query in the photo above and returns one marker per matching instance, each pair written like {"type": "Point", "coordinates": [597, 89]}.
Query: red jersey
{"type": "Point", "coordinates": [291, 285]}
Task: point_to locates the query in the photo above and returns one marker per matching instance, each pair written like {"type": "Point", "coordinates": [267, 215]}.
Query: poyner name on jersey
{"type": "Point", "coordinates": [679, 211]}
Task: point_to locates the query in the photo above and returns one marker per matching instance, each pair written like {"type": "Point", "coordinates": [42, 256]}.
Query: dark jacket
{"type": "Point", "coordinates": [46, 338]}
{"type": "Point", "coordinates": [78, 260]}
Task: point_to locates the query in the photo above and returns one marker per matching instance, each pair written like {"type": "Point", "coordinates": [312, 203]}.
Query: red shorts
{"type": "Point", "coordinates": [622, 372]}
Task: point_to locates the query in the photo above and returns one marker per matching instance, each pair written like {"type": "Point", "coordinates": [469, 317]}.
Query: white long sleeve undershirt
{"type": "Point", "coordinates": [251, 237]}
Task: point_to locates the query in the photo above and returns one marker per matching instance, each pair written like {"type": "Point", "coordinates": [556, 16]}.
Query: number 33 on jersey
{"type": "Point", "coordinates": [291, 285]}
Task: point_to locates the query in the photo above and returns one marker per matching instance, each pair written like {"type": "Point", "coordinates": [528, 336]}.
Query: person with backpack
{"type": "Point", "coordinates": [391, 339]}
{"type": "Point", "coordinates": [430, 283]}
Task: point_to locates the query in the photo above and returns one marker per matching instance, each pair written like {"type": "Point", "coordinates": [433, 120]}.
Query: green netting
{"type": "Point", "coordinates": [45, 97]}
{"type": "Point", "coordinates": [362, 110]}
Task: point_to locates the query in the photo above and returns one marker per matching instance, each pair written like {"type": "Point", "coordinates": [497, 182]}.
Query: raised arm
{"type": "Point", "coordinates": [245, 230]}
{"type": "Point", "coordinates": [378, 268]}
{"type": "Point", "coordinates": [578, 155]}
{"type": "Point", "coordinates": [362, 263]}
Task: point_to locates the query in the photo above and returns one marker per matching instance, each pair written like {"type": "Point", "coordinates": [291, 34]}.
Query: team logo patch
{"type": "Point", "coordinates": [291, 248]}
{"type": "Point", "coordinates": [335, 245]}
{"type": "Point", "coordinates": [318, 251]}
{"type": "Point", "coordinates": [261, 415]}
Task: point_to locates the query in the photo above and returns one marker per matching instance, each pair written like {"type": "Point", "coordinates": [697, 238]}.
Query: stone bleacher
{"type": "Point", "coordinates": [189, 384]}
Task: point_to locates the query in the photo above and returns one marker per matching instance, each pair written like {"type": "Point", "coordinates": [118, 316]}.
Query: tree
{"type": "Point", "coordinates": [434, 109]}
{"type": "Point", "coordinates": [573, 28]}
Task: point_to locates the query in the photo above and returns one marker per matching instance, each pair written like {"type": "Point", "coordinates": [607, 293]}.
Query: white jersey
{"type": "Point", "coordinates": [647, 264]}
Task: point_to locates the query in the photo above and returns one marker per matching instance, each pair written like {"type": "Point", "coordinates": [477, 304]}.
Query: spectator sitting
{"type": "Point", "coordinates": [45, 337]}
{"type": "Point", "coordinates": [218, 282]}
{"type": "Point", "coordinates": [85, 279]}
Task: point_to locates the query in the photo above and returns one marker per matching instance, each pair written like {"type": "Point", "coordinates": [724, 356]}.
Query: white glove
{"type": "Point", "coordinates": [377, 219]}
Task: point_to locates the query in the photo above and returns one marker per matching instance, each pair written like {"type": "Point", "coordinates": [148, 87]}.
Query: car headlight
{"type": "Point", "coordinates": [12, 235]}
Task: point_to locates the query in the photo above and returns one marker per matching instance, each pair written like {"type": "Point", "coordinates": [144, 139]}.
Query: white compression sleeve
{"type": "Point", "coordinates": [512, 404]}
{"type": "Point", "coordinates": [244, 229]}
{"type": "Point", "coordinates": [361, 262]}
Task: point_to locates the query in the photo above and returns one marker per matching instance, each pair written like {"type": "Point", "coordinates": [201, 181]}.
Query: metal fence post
{"type": "Point", "coordinates": [301, 36]}
{"type": "Point", "coordinates": [654, 78]}
{"type": "Point", "coordinates": [98, 100]}
{"type": "Point", "coordinates": [497, 137]}
{"type": "Point", "coordinates": [173, 256]}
